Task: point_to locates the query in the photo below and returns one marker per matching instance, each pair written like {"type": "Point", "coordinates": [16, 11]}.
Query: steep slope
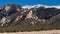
{"type": "Point", "coordinates": [13, 14]}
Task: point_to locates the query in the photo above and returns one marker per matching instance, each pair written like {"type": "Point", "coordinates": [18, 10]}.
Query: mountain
{"type": "Point", "coordinates": [13, 15]}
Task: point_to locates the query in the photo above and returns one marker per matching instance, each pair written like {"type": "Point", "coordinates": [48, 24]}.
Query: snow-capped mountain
{"type": "Point", "coordinates": [14, 14]}
{"type": "Point", "coordinates": [39, 5]}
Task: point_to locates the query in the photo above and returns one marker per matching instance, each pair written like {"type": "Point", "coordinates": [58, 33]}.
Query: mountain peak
{"type": "Point", "coordinates": [12, 7]}
{"type": "Point", "coordinates": [14, 14]}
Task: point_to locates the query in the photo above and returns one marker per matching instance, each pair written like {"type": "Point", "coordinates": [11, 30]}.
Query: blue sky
{"type": "Point", "coordinates": [30, 2]}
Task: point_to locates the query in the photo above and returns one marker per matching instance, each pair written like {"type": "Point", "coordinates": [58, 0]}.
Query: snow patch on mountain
{"type": "Point", "coordinates": [39, 5]}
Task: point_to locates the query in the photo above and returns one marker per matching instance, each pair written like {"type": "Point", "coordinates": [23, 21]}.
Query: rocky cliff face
{"type": "Point", "coordinates": [13, 14]}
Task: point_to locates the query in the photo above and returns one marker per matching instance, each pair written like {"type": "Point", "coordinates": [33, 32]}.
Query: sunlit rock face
{"type": "Point", "coordinates": [29, 15]}
{"type": "Point", "coordinates": [13, 7]}
{"type": "Point", "coordinates": [7, 8]}
{"type": "Point", "coordinates": [14, 14]}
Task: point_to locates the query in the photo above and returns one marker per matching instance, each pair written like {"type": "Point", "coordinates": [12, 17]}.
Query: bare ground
{"type": "Point", "coordinates": [36, 32]}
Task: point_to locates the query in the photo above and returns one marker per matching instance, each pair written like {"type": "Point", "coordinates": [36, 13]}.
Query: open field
{"type": "Point", "coordinates": [37, 32]}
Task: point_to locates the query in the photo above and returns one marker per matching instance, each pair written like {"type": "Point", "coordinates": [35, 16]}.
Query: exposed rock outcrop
{"type": "Point", "coordinates": [13, 14]}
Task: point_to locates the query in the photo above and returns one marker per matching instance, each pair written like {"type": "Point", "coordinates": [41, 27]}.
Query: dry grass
{"type": "Point", "coordinates": [37, 32]}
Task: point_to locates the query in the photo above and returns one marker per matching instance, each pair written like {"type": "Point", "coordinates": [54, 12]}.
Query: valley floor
{"type": "Point", "coordinates": [37, 32]}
